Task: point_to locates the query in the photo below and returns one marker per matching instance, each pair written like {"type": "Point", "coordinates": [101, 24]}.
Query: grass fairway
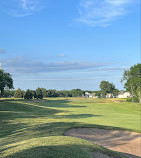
{"type": "Point", "coordinates": [30, 129]}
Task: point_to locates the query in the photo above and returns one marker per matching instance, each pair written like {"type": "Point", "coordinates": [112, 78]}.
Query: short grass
{"type": "Point", "coordinates": [32, 128]}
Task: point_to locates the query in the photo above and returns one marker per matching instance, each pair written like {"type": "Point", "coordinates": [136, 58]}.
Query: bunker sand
{"type": "Point", "coordinates": [128, 143]}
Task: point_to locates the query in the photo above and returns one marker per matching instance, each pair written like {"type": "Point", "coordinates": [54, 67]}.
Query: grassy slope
{"type": "Point", "coordinates": [27, 127]}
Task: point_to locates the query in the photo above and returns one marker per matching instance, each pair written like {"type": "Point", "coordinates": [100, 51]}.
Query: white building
{"type": "Point", "coordinates": [109, 95]}
{"type": "Point", "coordinates": [87, 94]}
{"type": "Point", "coordinates": [123, 94]}
{"type": "Point", "coordinates": [90, 95]}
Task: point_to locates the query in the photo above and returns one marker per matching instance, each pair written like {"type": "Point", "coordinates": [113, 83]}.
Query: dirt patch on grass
{"type": "Point", "coordinates": [128, 143]}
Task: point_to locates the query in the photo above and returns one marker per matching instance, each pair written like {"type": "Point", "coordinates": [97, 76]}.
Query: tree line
{"type": "Point", "coordinates": [131, 79]}
{"type": "Point", "coordinates": [40, 93]}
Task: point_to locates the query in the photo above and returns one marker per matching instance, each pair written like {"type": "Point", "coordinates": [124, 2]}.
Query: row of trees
{"type": "Point", "coordinates": [106, 87]}
{"type": "Point", "coordinates": [131, 79]}
{"type": "Point", "coordinates": [43, 93]}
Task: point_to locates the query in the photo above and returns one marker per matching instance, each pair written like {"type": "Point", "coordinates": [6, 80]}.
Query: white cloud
{"type": "Point", "coordinates": [20, 8]}
{"type": "Point", "coordinates": [101, 12]}
{"type": "Point", "coordinates": [30, 5]}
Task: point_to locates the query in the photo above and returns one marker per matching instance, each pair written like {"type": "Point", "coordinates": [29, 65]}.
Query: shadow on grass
{"type": "Point", "coordinates": [61, 103]}
{"type": "Point", "coordinates": [14, 110]}
{"type": "Point", "coordinates": [79, 116]}
{"type": "Point", "coordinates": [11, 110]}
{"type": "Point", "coordinates": [10, 99]}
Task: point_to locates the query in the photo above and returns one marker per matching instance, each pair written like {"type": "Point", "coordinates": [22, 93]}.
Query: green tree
{"type": "Point", "coordinates": [39, 94]}
{"type": "Point", "coordinates": [132, 78]}
{"type": "Point", "coordinates": [6, 81]}
{"type": "Point", "coordinates": [28, 95]}
{"type": "Point", "coordinates": [115, 92]}
{"type": "Point", "coordinates": [97, 93]}
{"type": "Point", "coordinates": [18, 93]}
{"type": "Point", "coordinates": [77, 92]}
{"type": "Point", "coordinates": [8, 93]}
{"type": "Point", "coordinates": [34, 94]}
{"type": "Point", "coordinates": [44, 91]}
{"type": "Point", "coordinates": [64, 93]}
{"type": "Point", "coordinates": [52, 93]}
{"type": "Point", "coordinates": [106, 87]}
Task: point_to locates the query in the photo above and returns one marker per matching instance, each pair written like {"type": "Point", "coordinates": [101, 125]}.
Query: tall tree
{"type": "Point", "coordinates": [132, 78]}
{"type": "Point", "coordinates": [106, 87]}
{"type": "Point", "coordinates": [6, 81]}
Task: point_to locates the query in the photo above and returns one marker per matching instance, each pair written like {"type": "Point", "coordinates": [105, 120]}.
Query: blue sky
{"type": "Point", "coordinates": [69, 44]}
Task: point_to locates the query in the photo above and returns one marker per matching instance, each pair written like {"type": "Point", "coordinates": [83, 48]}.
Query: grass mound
{"type": "Point", "coordinates": [49, 147]}
{"type": "Point", "coordinates": [54, 147]}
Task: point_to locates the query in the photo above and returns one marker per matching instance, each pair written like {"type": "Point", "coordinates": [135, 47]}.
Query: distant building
{"type": "Point", "coordinates": [123, 94]}
{"type": "Point", "coordinates": [93, 95]}
{"type": "Point", "coordinates": [87, 94]}
{"type": "Point", "coordinates": [90, 95]}
{"type": "Point", "coordinates": [109, 95]}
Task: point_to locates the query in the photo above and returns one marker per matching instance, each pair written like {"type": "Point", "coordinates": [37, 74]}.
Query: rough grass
{"type": "Point", "coordinates": [27, 127]}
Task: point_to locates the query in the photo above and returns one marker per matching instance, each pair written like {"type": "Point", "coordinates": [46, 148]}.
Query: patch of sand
{"type": "Point", "coordinates": [128, 143]}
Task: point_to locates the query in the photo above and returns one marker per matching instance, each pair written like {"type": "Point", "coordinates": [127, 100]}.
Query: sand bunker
{"type": "Point", "coordinates": [128, 143]}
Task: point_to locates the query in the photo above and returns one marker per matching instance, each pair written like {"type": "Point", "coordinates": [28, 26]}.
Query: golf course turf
{"type": "Point", "coordinates": [33, 129]}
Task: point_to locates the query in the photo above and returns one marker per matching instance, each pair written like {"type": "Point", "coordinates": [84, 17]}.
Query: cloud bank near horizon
{"type": "Point", "coordinates": [25, 65]}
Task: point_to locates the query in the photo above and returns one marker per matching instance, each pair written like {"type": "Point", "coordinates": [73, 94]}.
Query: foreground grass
{"type": "Point", "coordinates": [36, 128]}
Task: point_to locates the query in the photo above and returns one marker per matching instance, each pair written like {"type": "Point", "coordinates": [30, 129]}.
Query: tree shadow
{"type": "Point", "coordinates": [10, 111]}
{"type": "Point", "coordinates": [13, 110]}
{"type": "Point", "coordinates": [10, 99]}
{"type": "Point", "coordinates": [79, 116]}
{"type": "Point", "coordinates": [60, 103]}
